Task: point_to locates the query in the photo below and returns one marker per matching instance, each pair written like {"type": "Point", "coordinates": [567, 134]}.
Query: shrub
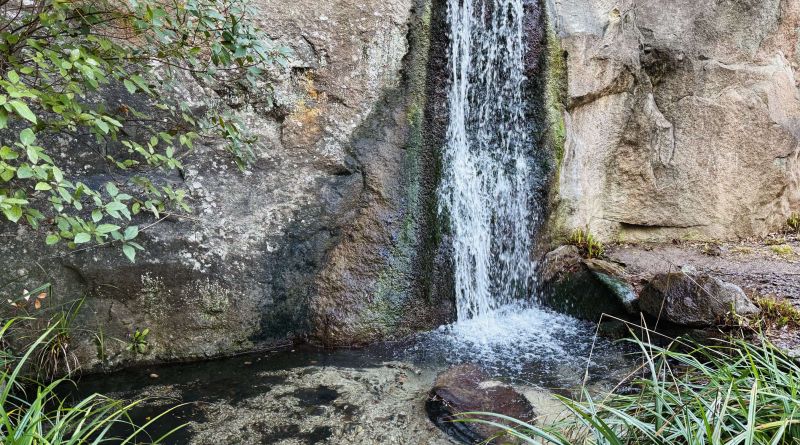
{"type": "Point", "coordinates": [59, 60]}
{"type": "Point", "coordinates": [778, 312]}
{"type": "Point", "coordinates": [794, 222]}
{"type": "Point", "coordinates": [782, 250]}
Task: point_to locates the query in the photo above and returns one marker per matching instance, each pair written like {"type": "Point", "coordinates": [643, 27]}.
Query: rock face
{"type": "Point", "coordinates": [693, 299]}
{"type": "Point", "coordinates": [467, 388]}
{"type": "Point", "coordinates": [314, 240]}
{"type": "Point", "coordinates": [682, 117]}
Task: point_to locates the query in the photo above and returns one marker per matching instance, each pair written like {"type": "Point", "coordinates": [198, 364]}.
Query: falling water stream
{"type": "Point", "coordinates": [487, 182]}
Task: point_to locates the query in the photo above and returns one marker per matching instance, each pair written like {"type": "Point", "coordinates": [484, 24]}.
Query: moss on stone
{"type": "Point", "coordinates": [555, 231]}
{"type": "Point", "coordinates": [384, 314]}
{"type": "Point", "coordinates": [556, 97]}
{"type": "Point", "coordinates": [416, 87]}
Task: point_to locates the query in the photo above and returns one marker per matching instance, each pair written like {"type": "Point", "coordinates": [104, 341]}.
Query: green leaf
{"type": "Point", "coordinates": [22, 109]}
{"type": "Point", "coordinates": [112, 121]}
{"type": "Point", "coordinates": [82, 238]}
{"type": "Point", "coordinates": [43, 186]}
{"type": "Point", "coordinates": [107, 228]}
{"type": "Point", "coordinates": [13, 76]}
{"type": "Point", "coordinates": [24, 172]}
{"type": "Point", "coordinates": [52, 239]}
{"type": "Point", "coordinates": [7, 174]}
{"type": "Point", "coordinates": [140, 82]}
{"type": "Point", "coordinates": [129, 86]}
{"type": "Point", "coordinates": [97, 215]}
{"type": "Point", "coordinates": [13, 214]}
{"type": "Point", "coordinates": [114, 209]}
{"type": "Point", "coordinates": [33, 154]}
{"type": "Point", "coordinates": [102, 126]}
{"type": "Point", "coordinates": [6, 153]}
{"type": "Point", "coordinates": [131, 232]}
{"type": "Point", "coordinates": [112, 189]}
{"type": "Point", "coordinates": [129, 252]}
{"type": "Point", "coordinates": [27, 136]}
{"type": "Point", "coordinates": [15, 201]}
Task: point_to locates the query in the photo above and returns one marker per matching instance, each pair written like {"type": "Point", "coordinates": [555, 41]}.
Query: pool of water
{"type": "Point", "coordinates": [371, 395]}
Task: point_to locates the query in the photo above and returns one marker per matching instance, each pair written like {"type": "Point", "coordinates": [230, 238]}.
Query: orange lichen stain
{"type": "Point", "coordinates": [303, 127]}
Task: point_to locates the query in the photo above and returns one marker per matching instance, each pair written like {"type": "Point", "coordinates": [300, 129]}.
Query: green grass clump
{"type": "Point", "coordinates": [737, 393]}
{"type": "Point", "coordinates": [782, 250]}
{"type": "Point", "coordinates": [589, 246]}
{"type": "Point", "coordinates": [33, 413]}
{"type": "Point", "coordinates": [794, 222]}
{"type": "Point", "coordinates": [778, 312]}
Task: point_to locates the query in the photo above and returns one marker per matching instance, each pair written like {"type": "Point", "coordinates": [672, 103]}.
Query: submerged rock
{"type": "Point", "coordinates": [467, 388]}
{"type": "Point", "coordinates": [299, 406]}
{"type": "Point", "coordinates": [694, 299]}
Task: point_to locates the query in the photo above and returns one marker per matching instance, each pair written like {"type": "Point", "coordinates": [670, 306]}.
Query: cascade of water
{"type": "Point", "coordinates": [487, 177]}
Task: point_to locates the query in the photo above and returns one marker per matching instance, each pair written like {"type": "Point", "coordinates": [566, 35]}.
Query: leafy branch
{"type": "Point", "coordinates": [59, 61]}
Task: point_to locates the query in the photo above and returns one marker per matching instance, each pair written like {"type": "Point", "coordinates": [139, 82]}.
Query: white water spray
{"type": "Point", "coordinates": [486, 183]}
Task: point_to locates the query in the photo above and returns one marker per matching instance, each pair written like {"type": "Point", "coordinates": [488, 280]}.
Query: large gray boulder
{"type": "Point", "coordinates": [694, 299]}
{"type": "Point", "coordinates": [682, 117]}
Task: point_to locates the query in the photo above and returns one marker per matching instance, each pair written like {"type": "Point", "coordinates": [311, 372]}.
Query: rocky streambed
{"type": "Point", "coordinates": [379, 395]}
{"type": "Point", "coordinates": [289, 397]}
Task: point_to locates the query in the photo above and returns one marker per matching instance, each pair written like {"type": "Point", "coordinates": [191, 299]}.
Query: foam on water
{"type": "Point", "coordinates": [530, 344]}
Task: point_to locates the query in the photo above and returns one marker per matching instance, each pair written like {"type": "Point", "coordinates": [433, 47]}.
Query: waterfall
{"type": "Point", "coordinates": [488, 171]}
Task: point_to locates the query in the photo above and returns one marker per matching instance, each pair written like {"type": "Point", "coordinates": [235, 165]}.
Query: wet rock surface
{"type": "Point", "coordinates": [586, 288]}
{"type": "Point", "coordinates": [318, 405]}
{"type": "Point", "coordinates": [615, 280]}
{"type": "Point", "coordinates": [300, 244]}
{"type": "Point", "coordinates": [694, 299]}
{"type": "Point", "coordinates": [468, 388]}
